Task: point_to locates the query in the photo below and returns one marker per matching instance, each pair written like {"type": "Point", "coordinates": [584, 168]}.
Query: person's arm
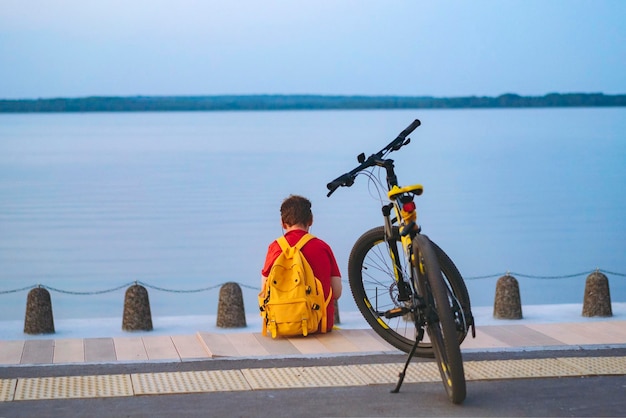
{"type": "Point", "coordinates": [272, 253]}
{"type": "Point", "coordinates": [335, 284]}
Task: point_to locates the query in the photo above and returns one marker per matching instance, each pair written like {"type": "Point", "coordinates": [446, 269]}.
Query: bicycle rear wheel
{"type": "Point", "coordinates": [440, 321]}
{"type": "Point", "coordinates": [375, 291]}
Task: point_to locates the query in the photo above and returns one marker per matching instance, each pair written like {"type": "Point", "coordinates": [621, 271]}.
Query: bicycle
{"type": "Point", "coordinates": [413, 297]}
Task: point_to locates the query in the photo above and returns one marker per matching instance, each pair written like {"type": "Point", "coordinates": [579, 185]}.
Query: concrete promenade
{"type": "Point", "coordinates": [206, 345]}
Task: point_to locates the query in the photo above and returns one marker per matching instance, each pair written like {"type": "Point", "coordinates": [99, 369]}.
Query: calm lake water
{"type": "Point", "coordinates": [186, 201]}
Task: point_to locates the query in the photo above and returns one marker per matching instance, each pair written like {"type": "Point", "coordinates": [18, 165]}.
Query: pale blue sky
{"type": "Point", "coordinates": [75, 48]}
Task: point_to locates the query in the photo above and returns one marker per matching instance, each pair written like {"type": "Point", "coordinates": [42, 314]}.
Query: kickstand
{"type": "Point", "coordinates": [406, 365]}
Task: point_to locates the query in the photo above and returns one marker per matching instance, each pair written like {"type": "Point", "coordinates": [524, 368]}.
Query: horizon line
{"type": "Point", "coordinates": [329, 95]}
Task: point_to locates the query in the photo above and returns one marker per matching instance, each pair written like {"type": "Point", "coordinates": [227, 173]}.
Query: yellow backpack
{"type": "Point", "coordinates": [292, 299]}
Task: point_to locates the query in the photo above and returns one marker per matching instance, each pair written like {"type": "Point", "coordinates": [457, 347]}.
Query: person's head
{"type": "Point", "coordinates": [296, 211]}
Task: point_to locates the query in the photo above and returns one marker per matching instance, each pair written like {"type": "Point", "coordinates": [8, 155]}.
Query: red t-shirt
{"type": "Point", "coordinates": [320, 257]}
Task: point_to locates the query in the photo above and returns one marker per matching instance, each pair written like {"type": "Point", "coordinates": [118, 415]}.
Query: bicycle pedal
{"type": "Point", "coordinates": [393, 313]}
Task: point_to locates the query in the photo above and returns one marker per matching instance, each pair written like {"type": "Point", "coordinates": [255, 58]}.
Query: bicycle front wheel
{"type": "Point", "coordinates": [375, 291]}
{"type": "Point", "coordinates": [440, 319]}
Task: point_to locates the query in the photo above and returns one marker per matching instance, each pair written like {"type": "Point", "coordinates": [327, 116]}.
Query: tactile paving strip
{"type": "Point", "coordinates": [73, 387]}
{"type": "Point", "coordinates": [598, 365]}
{"type": "Point", "coordinates": [515, 369]}
{"type": "Point", "coordinates": [303, 377]}
{"type": "Point", "coordinates": [7, 389]}
{"type": "Point", "coordinates": [189, 382]}
{"type": "Point", "coordinates": [294, 377]}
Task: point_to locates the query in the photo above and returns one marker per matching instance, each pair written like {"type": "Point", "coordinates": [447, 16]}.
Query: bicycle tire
{"type": "Point", "coordinates": [440, 324]}
{"type": "Point", "coordinates": [457, 291]}
{"type": "Point", "coordinates": [370, 269]}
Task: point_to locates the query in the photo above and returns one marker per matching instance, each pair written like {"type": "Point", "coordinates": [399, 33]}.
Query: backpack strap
{"type": "Point", "coordinates": [325, 316]}
{"type": "Point", "coordinates": [284, 245]}
{"type": "Point", "coordinates": [305, 238]}
{"type": "Point", "coordinates": [262, 300]}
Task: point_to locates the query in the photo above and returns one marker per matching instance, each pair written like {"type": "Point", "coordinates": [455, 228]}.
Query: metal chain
{"type": "Point", "coordinates": [530, 276]}
{"type": "Point", "coordinates": [162, 289]}
{"type": "Point", "coordinates": [2, 292]}
{"type": "Point", "coordinates": [95, 292]}
{"type": "Point", "coordinates": [612, 273]}
{"type": "Point", "coordinates": [99, 292]}
{"type": "Point", "coordinates": [209, 288]}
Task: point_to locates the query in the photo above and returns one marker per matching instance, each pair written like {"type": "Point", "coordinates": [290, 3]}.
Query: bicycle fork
{"type": "Point", "coordinates": [404, 291]}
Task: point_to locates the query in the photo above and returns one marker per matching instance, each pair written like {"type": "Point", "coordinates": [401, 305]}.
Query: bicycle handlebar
{"type": "Point", "coordinates": [347, 179]}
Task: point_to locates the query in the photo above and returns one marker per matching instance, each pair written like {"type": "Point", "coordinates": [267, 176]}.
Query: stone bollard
{"type": "Point", "coordinates": [137, 316]}
{"type": "Point", "coordinates": [597, 300]}
{"type": "Point", "coordinates": [230, 309]}
{"type": "Point", "coordinates": [39, 319]}
{"type": "Point", "coordinates": [508, 303]}
{"type": "Point", "coordinates": [336, 319]}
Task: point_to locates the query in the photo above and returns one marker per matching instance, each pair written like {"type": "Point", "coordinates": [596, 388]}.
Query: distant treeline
{"type": "Point", "coordinates": [302, 102]}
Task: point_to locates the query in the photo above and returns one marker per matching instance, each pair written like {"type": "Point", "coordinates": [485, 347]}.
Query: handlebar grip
{"type": "Point", "coordinates": [333, 185]}
{"type": "Point", "coordinates": [410, 129]}
{"type": "Point", "coordinates": [343, 180]}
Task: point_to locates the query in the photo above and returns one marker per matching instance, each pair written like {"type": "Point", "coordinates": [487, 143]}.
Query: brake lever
{"type": "Point", "coordinates": [400, 145]}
